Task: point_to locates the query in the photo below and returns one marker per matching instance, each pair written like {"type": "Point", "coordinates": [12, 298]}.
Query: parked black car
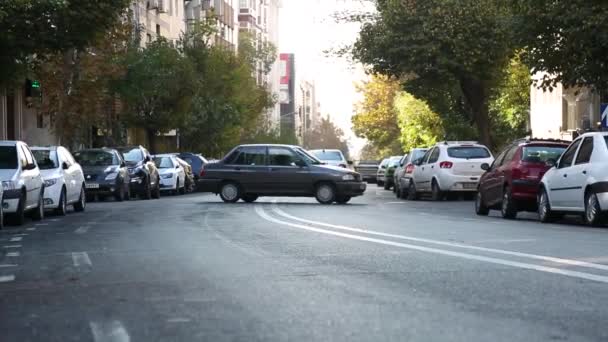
{"type": "Point", "coordinates": [145, 178]}
{"type": "Point", "coordinates": [105, 173]}
{"type": "Point", "coordinates": [249, 171]}
{"type": "Point", "coordinates": [195, 160]}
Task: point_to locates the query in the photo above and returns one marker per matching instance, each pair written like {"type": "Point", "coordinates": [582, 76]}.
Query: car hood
{"type": "Point", "coordinates": [334, 168]}
{"type": "Point", "coordinates": [6, 175]}
{"type": "Point", "coordinates": [51, 173]}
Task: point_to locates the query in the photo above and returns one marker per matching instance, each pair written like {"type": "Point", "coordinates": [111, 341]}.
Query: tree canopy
{"type": "Point", "coordinates": [326, 135]}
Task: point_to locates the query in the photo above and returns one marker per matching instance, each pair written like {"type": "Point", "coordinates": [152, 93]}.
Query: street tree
{"type": "Point", "coordinates": [433, 44]}
{"type": "Point", "coordinates": [31, 29]}
{"type": "Point", "coordinates": [156, 88]}
{"type": "Point", "coordinates": [566, 40]}
{"type": "Point", "coordinates": [418, 124]}
{"type": "Point", "coordinates": [375, 117]}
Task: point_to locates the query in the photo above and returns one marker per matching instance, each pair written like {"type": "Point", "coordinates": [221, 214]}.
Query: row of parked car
{"type": "Point", "coordinates": [35, 179]}
{"type": "Point", "coordinates": [551, 177]}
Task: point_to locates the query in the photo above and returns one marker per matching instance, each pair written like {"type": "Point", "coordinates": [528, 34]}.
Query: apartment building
{"type": "Point", "coordinates": [309, 113]}
{"type": "Point", "coordinates": [159, 18]}
{"type": "Point", "coordinates": [260, 18]}
{"type": "Point", "coordinates": [225, 13]}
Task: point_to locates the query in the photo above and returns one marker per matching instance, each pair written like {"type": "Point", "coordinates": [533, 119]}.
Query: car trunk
{"type": "Point", "coordinates": [469, 167]}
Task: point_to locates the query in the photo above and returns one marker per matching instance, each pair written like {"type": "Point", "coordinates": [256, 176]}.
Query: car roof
{"type": "Point", "coordinates": [104, 149]}
{"type": "Point", "coordinates": [268, 145]}
{"type": "Point", "coordinates": [326, 149]}
{"type": "Point", "coordinates": [43, 148]}
{"type": "Point", "coordinates": [590, 134]}
{"type": "Point", "coordinates": [9, 142]}
{"type": "Point", "coordinates": [164, 155]}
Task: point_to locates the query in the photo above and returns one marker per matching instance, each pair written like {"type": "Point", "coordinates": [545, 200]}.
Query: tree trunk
{"type": "Point", "coordinates": [151, 136]}
{"type": "Point", "coordinates": [476, 95]}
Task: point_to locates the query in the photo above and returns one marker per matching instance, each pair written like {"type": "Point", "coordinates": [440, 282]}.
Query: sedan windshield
{"type": "Point", "coordinates": [163, 162]}
{"type": "Point", "coordinates": [132, 154]}
{"type": "Point", "coordinates": [46, 159]}
{"type": "Point", "coordinates": [327, 155]}
{"type": "Point", "coordinates": [8, 157]}
{"type": "Point", "coordinates": [95, 158]}
{"type": "Point", "coordinates": [468, 152]}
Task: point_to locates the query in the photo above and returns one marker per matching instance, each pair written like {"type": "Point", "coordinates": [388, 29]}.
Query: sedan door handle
{"type": "Point", "coordinates": [565, 175]}
{"type": "Point", "coordinates": [584, 172]}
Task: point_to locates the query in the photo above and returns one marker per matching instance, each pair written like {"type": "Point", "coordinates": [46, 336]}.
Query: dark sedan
{"type": "Point", "coordinates": [249, 171]}
{"type": "Point", "coordinates": [105, 173]}
{"type": "Point", "coordinates": [145, 178]}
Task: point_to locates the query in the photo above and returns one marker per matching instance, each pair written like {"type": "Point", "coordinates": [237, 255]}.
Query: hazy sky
{"type": "Point", "coordinates": [307, 29]}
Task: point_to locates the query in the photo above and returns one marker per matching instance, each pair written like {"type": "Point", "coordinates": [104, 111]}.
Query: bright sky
{"type": "Point", "coordinates": [307, 29]}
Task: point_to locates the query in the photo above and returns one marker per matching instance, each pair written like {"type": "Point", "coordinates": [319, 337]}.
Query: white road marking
{"type": "Point", "coordinates": [41, 224]}
{"type": "Point", "coordinates": [569, 262]}
{"type": "Point", "coordinates": [112, 331]}
{"type": "Point", "coordinates": [81, 258]}
{"type": "Point", "coordinates": [504, 240]}
{"type": "Point", "coordinates": [16, 239]}
{"type": "Point", "coordinates": [7, 265]}
{"type": "Point", "coordinates": [82, 230]}
{"type": "Point", "coordinates": [31, 228]}
{"type": "Point", "coordinates": [12, 246]}
{"type": "Point", "coordinates": [21, 234]}
{"type": "Point", "coordinates": [54, 220]}
{"type": "Point", "coordinates": [178, 320]}
{"type": "Point", "coordinates": [13, 254]}
{"type": "Point", "coordinates": [7, 278]}
{"type": "Point", "coordinates": [468, 256]}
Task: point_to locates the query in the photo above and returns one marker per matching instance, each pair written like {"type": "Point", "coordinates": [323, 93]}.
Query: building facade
{"type": "Point", "coordinates": [260, 19]}
{"type": "Point", "coordinates": [225, 14]}
{"type": "Point", "coordinates": [563, 112]}
{"type": "Point", "coordinates": [309, 114]}
{"type": "Point", "coordinates": [159, 18]}
{"type": "Point", "coordinates": [287, 94]}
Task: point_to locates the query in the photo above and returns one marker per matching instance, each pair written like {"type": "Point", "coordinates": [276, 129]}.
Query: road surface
{"type": "Point", "coordinates": [191, 268]}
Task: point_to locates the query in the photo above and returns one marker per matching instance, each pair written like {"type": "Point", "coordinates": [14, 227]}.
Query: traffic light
{"type": "Point", "coordinates": [33, 89]}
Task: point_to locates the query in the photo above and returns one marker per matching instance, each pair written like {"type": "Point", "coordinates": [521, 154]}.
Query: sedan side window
{"type": "Point", "coordinates": [568, 156]}
{"type": "Point", "coordinates": [425, 158]}
{"type": "Point", "coordinates": [584, 153]}
{"type": "Point", "coordinates": [498, 161]}
{"type": "Point", "coordinates": [282, 157]}
{"type": "Point", "coordinates": [434, 156]}
{"type": "Point", "coordinates": [509, 155]}
{"type": "Point", "coordinates": [252, 156]}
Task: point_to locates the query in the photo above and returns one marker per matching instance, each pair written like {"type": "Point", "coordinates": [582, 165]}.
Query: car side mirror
{"type": "Point", "coordinates": [123, 164]}
{"type": "Point", "coordinates": [147, 159]}
{"type": "Point", "coordinates": [349, 162]}
{"type": "Point", "coordinates": [551, 162]}
{"type": "Point", "coordinates": [29, 167]}
{"type": "Point", "coordinates": [177, 166]}
{"type": "Point", "coordinates": [485, 166]}
{"type": "Point", "coordinates": [300, 163]}
{"type": "Point", "coordinates": [65, 166]}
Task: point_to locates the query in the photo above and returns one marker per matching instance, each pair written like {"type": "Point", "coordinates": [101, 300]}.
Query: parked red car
{"type": "Point", "coordinates": [510, 184]}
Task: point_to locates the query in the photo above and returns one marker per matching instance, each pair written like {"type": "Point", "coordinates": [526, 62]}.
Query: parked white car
{"type": "Point", "coordinates": [63, 179]}
{"type": "Point", "coordinates": [449, 167]}
{"type": "Point", "coordinates": [23, 187]}
{"type": "Point", "coordinates": [331, 157]}
{"type": "Point", "coordinates": [579, 181]}
{"type": "Point", "coordinates": [172, 173]}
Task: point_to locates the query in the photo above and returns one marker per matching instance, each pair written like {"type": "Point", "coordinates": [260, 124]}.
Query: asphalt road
{"type": "Point", "coordinates": [191, 268]}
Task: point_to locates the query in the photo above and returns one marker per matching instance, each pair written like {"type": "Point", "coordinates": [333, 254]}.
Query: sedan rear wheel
{"type": "Point", "coordinates": [508, 208]}
{"type": "Point", "coordinates": [545, 214]}
{"type": "Point", "coordinates": [436, 193]}
{"type": "Point", "coordinates": [82, 201]}
{"type": "Point", "coordinates": [62, 209]}
{"type": "Point", "coordinates": [230, 192]}
{"type": "Point", "coordinates": [38, 213]}
{"type": "Point", "coordinates": [593, 212]}
{"type": "Point", "coordinates": [325, 193]}
{"type": "Point", "coordinates": [412, 195]}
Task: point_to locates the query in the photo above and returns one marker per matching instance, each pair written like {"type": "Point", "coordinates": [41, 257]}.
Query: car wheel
{"type": "Point", "coordinates": [230, 192]}
{"type": "Point", "coordinates": [593, 212]}
{"type": "Point", "coordinates": [387, 186]}
{"type": "Point", "coordinates": [380, 183]}
{"type": "Point", "coordinates": [397, 191]}
{"type": "Point", "coordinates": [82, 201]}
{"type": "Point", "coordinates": [480, 205]}
{"type": "Point", "coordinates": [412, 195]}
{"type": "Point", "coordinates": [38, 213]}
{"type": "Point", "coordinates": [19, 215]}
{"type": "Point", "coordinates": [250, 198]}
{"type": "Point", "coordinates": [62, 209]}
{"type": "Point", "coordinates": [120, 193]}
{"type": "Point", "coordinates": [183, 189]}
{"type": "Point", "coordinates": [176, 191]}
{"type": "Point", "coordinates": [436, 193]}
{"type": "Point", "coordinates": [508, 208]}
{"type": "Point", "coordinates": [156, 193]}
{"type": "Point", "coordinates": [325, 193]}
{"type": "Point", "coordinates": [147, 193]}
{"type": "Point", "coordinates": [342, 199]}
{"type": "Point", "coordinates": [545, 214]}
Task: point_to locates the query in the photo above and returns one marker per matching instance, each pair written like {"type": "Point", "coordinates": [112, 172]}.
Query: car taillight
{"type": "Point", "coordinates": [446, 165]}
{"type": "Point", "coordinates": [409, 168]}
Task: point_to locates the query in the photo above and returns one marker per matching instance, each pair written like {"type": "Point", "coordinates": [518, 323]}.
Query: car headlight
{"type": "Point", "coordinates": [166, 175]}
{"type": "Point", "coordinates": [348, 177]}
{"type": "Point", "coordinates": [8, 185]}
{"type": "Point", "coordinates": [111, 176]}
{"type": "Point", "coordinates": [50, 182]}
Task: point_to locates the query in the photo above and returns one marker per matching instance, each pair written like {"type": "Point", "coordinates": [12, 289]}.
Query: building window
{"type": "Point", "coordinates": [149, 37]}
{"type": "Point", "coordinates": [157, 30]}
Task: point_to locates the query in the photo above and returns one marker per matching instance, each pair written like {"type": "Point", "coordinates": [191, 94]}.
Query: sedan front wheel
{"type": "Point", "coordinates": [325, 193]}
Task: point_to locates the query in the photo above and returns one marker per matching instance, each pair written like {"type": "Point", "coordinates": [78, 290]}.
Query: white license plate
{"type": "Point", "coordinates": [92, 186]}
{"type": "Point", "coordinates": [469, 185]}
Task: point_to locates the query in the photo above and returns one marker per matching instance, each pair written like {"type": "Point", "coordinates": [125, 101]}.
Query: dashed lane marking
{"type": "Point", "coordinates": [570, 262]}
{"type": "Point", "coordinates": [12, 246]}
{"type": "Point", "coordinates": [31, 228]}
{"type": "Point", "coordinates": [41, 224]}
{"type": "Point", "coordinates": [7, 278]}
{"type": "Point", "coordinates": [8, 265]}
{"type": "Point", "coordinates": [81, 258]}
{"type": "Point", "coordinates": [16, 239]}
{"type": "Point", "coordinates": [178, 320]}
{"type": "Point", "coordinates": [112, 331]}
{"type": "Point", "coordinates": [13, 254]}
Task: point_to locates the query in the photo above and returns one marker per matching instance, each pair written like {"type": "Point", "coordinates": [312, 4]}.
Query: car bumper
{"type": "Point", "coordinates": [208, 185]}
{"type": "Point", "coordinates": [350, 188]}
{"type": "Point", "coordinates": [52, 195]}
{"type": "Point", "coordinates": [168, 183]}
{"type": "Point", "coordinates": [524, 189]}
{"type": "Point", "coordinates": [449, 182]}
{"type": "Point", "coordinates": [137, 184]}
{"type": "Point", "coordinates": [101, 187]}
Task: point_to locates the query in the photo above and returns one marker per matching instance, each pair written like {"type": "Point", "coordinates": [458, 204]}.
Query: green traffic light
{"type": "Point", "coordinates": [35, 84]}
